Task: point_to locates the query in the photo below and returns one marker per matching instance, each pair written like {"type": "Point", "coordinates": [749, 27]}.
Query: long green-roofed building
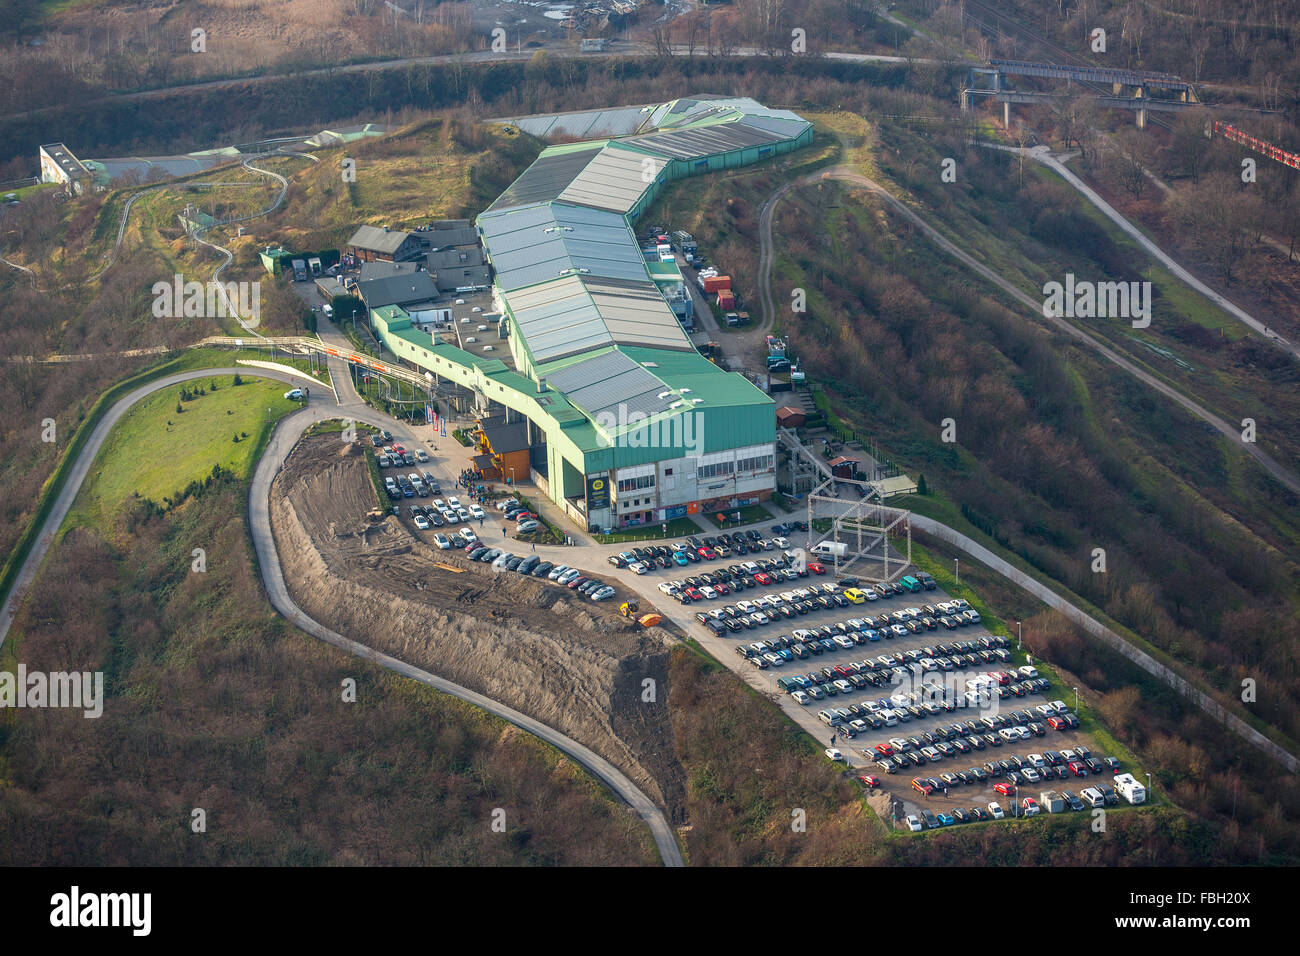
{"type": "Point", "coordinates": [627, 423]}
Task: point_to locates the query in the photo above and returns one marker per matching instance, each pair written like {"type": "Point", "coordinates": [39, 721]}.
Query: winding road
{"type": "Point", "coordinates": [286, 434]}
{"type": "Point", "coordinates": [1046, 157]}
{"type": "Point", "coordinates": [1282, 474]}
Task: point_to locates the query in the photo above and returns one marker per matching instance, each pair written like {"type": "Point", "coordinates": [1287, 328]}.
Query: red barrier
{"type": "Point", "coordinates": [1258, 145]}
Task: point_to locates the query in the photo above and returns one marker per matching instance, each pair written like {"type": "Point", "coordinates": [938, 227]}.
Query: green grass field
{"type": "Point", "coordinates": [154, 452]}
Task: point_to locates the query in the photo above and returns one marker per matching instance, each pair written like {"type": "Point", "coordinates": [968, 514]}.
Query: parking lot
{"type": "Point", "coordinates": [835, 655]}
{"type": "Point", "coordinates": [967, 709]}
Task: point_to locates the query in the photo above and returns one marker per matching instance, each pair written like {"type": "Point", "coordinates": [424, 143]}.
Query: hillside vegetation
{"type": "Point", "coordinates": [215, 703]}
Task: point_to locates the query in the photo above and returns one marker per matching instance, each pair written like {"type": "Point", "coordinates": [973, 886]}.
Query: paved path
{"type": "Point", "coordinates": [77, 475]}
{"type": "Point", "coordinates": [1283, 475]}
{"type": "Point", "coordinates": [283, 439]}
{"type": "Point", "coordinates": [1045, 156]}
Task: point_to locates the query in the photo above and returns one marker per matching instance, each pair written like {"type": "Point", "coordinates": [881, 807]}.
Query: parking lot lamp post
{"type": "Point", "coordinates": [1076, 700]}
{"type": "Point", "coordinates": [956, 563]}
{"type": "Point", "coordinates": [1018, 635]}
{"type": "Point", "coordinates": [512, 477]}
{"type": "Point", "coordinates": [1148, 786]}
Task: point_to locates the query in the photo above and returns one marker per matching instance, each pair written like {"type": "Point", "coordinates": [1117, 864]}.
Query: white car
{"type": "Point", "coordinates": [421, 455]}
{"type": "Point", "coordinates": [800, 697]}
{"type": "Point", "coordinates": [556, 571]}
{"type": "Point", "coordinates": [294, 394]}
{"type": "Point", "coordinates": [422, 523]}
{"type": "Point", "coordinates": [507, 504]}
{"type": "Point", "coordinates": [440, 504]}
{"type": "Point", "coordinates": [462, 514]}
{"type": "Point", "coordinates": [453, 503]}
{"type": "Point", "coordinates": [568, 576]}
{"type": "Point", "coordinates": [670, 587]}
{"type": "Point", "coordinates": [834, 754]}
{"type": "Point", "coordinates": [477, 512]}
{"type": "Point", "coordinates": [781, 542]}
{"type": "Point", "coordinates": [1059, 706]}
{"type": "Point", "coordinates": [708, 592]}
{"type": "Point", "coordinates": [469, 536]}
{"type": "Point", "coordinates": [441, 541]}
{"type": "Point", "coordinates": [914, 823]}
{"type": "Point", "coordinates": [996, 811]}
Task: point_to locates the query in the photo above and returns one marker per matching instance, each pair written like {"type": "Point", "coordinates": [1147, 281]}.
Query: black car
{"type": "Point", "coordinates": [543, 569]}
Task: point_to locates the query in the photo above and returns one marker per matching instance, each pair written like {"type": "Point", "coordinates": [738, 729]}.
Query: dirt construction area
{"type": "Point", "coordinates": [527, 642]}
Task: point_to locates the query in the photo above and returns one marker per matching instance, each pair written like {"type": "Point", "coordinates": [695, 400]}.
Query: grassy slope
{"type": "Point", "coordinates": [215, 702]}
{"type": "Point", "coordinates": [155, 452]}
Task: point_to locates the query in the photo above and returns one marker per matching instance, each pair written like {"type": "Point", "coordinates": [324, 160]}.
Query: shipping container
{"type": "Point", "coordinates": [716, 283]}
{"type": "Point", "coordinates": [726, 300]}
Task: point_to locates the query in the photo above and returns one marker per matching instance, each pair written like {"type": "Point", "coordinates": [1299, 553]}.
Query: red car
{"type": "Point", "coordinates": [721, 588]}
{"type": "Point", "coordinates": [694, 594]}
{"type": "Point", "coordinates": [1078, 769]}
{"type": "Point", "coordinates": [763, 577]}
{"type": "Point", "coordinates": [577, 583]}
{"type": "Point", "coordinates": [1056, 723]}
{"type": "Point", "coordinates": [885, 750]}
{"type": "Point", "coordinates": [524, 516]}
{"type": "Point", "coordinates": [816, 568]}
{"type": "Point", "coordinates": [922, 786]}
{"type": "Point", "coordinates": [869, 780]}
{"type": "Point", "coordinates": [1006, 789]}
{"type": "Point", "coordinates": [705, 553]}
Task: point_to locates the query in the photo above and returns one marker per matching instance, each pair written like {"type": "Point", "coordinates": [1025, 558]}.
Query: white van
{"type": "Point", "coordinates": [1092, 797]}
{"type": "Point", "coordinates": [829, 549]}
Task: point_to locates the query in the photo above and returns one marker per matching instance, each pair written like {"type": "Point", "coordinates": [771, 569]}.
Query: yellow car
{"type": "Point", "coordinates": [854, 595]}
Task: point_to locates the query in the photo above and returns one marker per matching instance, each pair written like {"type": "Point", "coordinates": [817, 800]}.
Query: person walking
{"type": "Point", "coordinates": [534, 545]}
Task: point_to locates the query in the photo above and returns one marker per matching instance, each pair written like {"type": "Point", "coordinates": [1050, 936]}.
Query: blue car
{"type": "Point", "coordinates": [680, 559]}
{"type": "Point", "coordinates": [946, 819]}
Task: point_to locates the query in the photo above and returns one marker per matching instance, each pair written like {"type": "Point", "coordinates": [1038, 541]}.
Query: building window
{"type": "Point", "coordinates": [754, 464]}
{"type": "Point", "coordinates": [721, 468]}
{"type": "Point", "coordinates": [636, 484]}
